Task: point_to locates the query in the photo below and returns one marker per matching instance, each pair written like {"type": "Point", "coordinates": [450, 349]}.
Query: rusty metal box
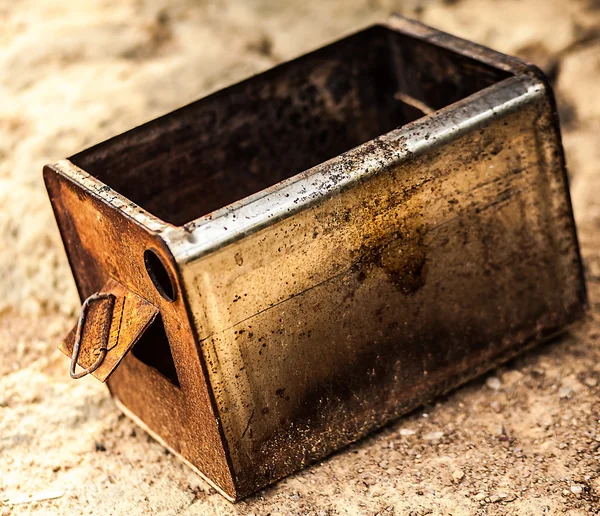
{"type": "Point", "coordinates": [299, 258]}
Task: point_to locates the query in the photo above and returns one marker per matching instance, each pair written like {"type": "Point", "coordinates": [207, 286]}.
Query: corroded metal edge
{"type": "Point", "coordinates": [162, 442]}
{"type": "Point", "coordinates": [111, 197]}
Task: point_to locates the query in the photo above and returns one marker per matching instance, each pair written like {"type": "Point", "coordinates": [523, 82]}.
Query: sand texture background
{"type": "Point", "coordinates": [525, 440]}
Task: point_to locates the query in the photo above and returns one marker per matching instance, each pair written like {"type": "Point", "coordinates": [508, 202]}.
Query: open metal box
{"type": "Point", "coordinates": [295, 260]}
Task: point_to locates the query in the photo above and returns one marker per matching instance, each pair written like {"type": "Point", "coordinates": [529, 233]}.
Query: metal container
{"type": "Point", "coordinates": [295, 260]}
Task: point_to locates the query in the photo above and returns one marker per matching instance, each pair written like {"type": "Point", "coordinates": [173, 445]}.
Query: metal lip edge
{"type": "Point", "coordinates": [302, 191]}
{"type": "Point", "coordinates": [418, 30]}
{"type": "Point", "coordinates": [110, 196]}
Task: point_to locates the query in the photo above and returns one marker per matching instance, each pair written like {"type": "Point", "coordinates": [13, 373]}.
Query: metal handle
{"type": "Point", "coordinates": [78, 335]}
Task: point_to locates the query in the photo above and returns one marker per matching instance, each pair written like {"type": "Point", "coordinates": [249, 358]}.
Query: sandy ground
{"type": "Point", "coordinates": [525, 440]}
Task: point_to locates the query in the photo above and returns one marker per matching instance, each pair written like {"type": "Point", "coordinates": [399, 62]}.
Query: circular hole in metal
{"type": "Point", "coordinates": [159, 275]}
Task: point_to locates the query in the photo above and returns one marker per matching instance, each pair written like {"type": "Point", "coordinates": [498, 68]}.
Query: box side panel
{"type": "Point", "coordinates": [103, 243]}
{"type": "Point", "coordinates": [331, 322]}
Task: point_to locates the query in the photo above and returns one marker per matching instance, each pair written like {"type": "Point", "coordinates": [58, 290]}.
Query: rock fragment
{"type": "Point", "coordinates": [493, 383]}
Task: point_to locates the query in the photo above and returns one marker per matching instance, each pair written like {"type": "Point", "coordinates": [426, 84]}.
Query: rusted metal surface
{"type": "Point", "coordinates": [103, 332]}
{"type": "Point", "coordinates": [106, 238]}
{"type": "Point", "coordinates": [328, 245]}
{"type": "Point", "coordinates": [114, 325]}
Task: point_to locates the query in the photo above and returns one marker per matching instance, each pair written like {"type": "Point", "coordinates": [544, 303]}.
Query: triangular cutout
{"type": "Point", "coordinates": [153, 349]}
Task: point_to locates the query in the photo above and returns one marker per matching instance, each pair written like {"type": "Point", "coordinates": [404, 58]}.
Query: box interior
{"type": "Point", "coordinates": [270, 127]}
